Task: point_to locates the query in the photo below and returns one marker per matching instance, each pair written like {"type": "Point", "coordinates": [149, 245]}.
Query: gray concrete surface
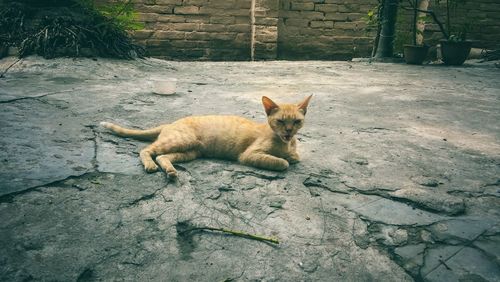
{"type": "Point", "coordinates": [399, 180]}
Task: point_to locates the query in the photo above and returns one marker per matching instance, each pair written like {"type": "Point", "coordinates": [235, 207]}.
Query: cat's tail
{"type": "Point", "coordinates": [145, 135]}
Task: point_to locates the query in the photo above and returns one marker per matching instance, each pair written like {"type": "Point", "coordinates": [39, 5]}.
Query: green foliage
{"type": "Point", "coordinates": [403, 36]}
{"type": "Point", "coordinates": [122, 13]}
{"type": "Point", "coordinates": [70, 28]}
{"type": "Point", "coordinates": [457, 30]}
{"type": "Point", "coordinates": [67, 36]}
{"type": "Point", "coordinates": [424, 18]}
{"type": "Point", "coordinates": [371, 20]}
{"type": "Point", "coordinates": [458, 24]}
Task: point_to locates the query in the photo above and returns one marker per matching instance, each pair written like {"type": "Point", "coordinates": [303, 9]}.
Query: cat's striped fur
{"type": "Point", "coordinates": [270, 145]}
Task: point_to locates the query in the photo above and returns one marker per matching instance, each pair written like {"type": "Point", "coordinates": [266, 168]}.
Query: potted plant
{"type": "Point", "coordinates": [415, 53]}
{"type": "Point", "coordinates": [455, 48]}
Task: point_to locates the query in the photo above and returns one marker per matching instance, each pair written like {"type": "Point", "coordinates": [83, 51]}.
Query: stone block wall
{"type": "Point", "coordinates": [195, 29]}
{"type": "Point", "coordinates": [324, 29]}
{"type": "Point", "coordinates": [482, 16]}
{"type": "Point", "coordinates": [253, 29]}
{"type": "Point", "coordinates": [265, 15]}
{"type": "Point", "coordinates": [281, 29]}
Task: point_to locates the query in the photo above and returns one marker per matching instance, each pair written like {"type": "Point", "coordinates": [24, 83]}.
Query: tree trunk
{"type": "Point", "coordinates": [385, 47]}
{"type": "Point", "coordinates": [424, 4]}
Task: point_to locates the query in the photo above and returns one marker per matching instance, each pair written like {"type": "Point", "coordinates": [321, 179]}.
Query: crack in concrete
{"type": "Point", "coordinates": [471, 194]}
{"type": "Point", "coordinates": [389, 250]}
{"type": "Point", "coordinates": [270, 177]}
{"type": "Point", "coordinates": [395, 258]}
{"type": "Point", "coordinates": [8, 198]}
{"type": "Point", "coordinates": [373, 130]}
{"type": "Point", "coordinates": [425, 253]}
{"type": "Point", "coordinates": [236, 278]}
{"type": "Point", "coordinates": [468, 244]}
{"type": "Point", "coordinates": [375, 227]}
{"type": "Point", "coordinates": [323, 212]}
{"type": "Point", "coordinates": [142, 198]}
{"type": "Point", "coordinates": [490, 257]}
{"type": "Point", "coordinates": [132, 263]}
{"type": "Point", "coordinates": [94, 162]}
{"type": "Point", "coordinates": [414, 239]}
{"type": "Point", "coordinates": [421, 206]}
{"type": "Point", "coordinates": [309, 182]}
{"type": "Point", "coordinates": [440, 261]}
{"type": "Point", "coordinates": [381, 192]}
{"type": "Point", "coordinates": [36, 97]}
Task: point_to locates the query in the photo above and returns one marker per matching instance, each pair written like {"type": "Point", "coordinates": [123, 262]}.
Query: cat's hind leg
{"type": "Point", "coordinates": [166, 161]}
{"type": "Point", "coordinates": [176, 141]}
{"type": "Point", "coordinates": [146, 156]}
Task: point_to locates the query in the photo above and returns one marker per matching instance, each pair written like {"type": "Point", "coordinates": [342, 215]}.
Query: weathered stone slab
{"type": "Point", "coordinates": [395, 213]}
{"type": "Point", "coordinates": [333, 212]}
{"type": "Point", "coordinates": [41, 143]}
{"type": "Point", "coordinates": [491, 246]}
{"type": "Point", "coordinates": [412, 257]}
{"type": "Point", "coordinates": [434, 201]}
{"type": "Point", "coordinates": [434, 257]}
{"type": "Point", "coordinates": [133, 220]}
{"type": "Point", "coordinates": [467, 265]}
{"type": "Point", "coordinates": [466, 229]}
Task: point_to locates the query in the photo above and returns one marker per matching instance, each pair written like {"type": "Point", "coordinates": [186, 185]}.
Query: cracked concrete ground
{"type": "Point", "coordinates": [399, 180]}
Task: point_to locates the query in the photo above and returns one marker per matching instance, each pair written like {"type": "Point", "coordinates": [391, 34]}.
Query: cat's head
{"type": "Point", "coordinates": [286, 119]}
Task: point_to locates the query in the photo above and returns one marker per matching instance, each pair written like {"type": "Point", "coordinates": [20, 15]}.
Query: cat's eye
{"type": "Point", "coordinates": [280, 121]}
{"type": "Point", "coordinates": [297, 121]}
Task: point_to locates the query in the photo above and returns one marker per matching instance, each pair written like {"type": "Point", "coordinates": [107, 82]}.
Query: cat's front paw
{"type": "Point", "coordinates": [293, 159]}
{"type": "Point", "coordinates": [281, 165]}
{"type": "Point", "coordinates": [150, 167]}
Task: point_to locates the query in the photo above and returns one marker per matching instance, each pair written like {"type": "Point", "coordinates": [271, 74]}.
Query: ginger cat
{"type": "Point", "coordinates": [271, 145]}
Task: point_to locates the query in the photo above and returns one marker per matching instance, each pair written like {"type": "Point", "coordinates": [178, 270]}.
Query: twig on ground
{"type": "Point", "coordinates": [7, 69]}
{"type": "Point", "coordinates": [235, 233]}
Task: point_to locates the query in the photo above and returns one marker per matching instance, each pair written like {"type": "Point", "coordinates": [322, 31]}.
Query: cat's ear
{"type": "Point", "coordinates": [303, 105]}
{"type": "Point", "coordinates": [269, 105]}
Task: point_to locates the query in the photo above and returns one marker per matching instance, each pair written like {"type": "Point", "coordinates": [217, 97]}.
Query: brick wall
{"type": "Point", "coordinates": [195, 29]}
{"type": "Point", "coordinates": [487, 16]}
{"type": "Point", "coordinates": [259, 29]}
{"type": "Point", "coordinates": [265, 35]}
{"type": "Point", "coordinates": [324, 29]}
{"type": "Point", "coordinates": [483, 16]}
{"type": "Point", "coordinates": [281, 29]}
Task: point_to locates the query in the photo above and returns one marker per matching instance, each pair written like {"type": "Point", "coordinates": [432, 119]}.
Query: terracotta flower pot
{"type": "Point", "coordinates": [455, 53]}
{"type": "Point", "coordinates": [415, 54]}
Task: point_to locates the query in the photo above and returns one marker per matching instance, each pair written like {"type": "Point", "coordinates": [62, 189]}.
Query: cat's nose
{"type": "Point", "coordinates": [288, 130]}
